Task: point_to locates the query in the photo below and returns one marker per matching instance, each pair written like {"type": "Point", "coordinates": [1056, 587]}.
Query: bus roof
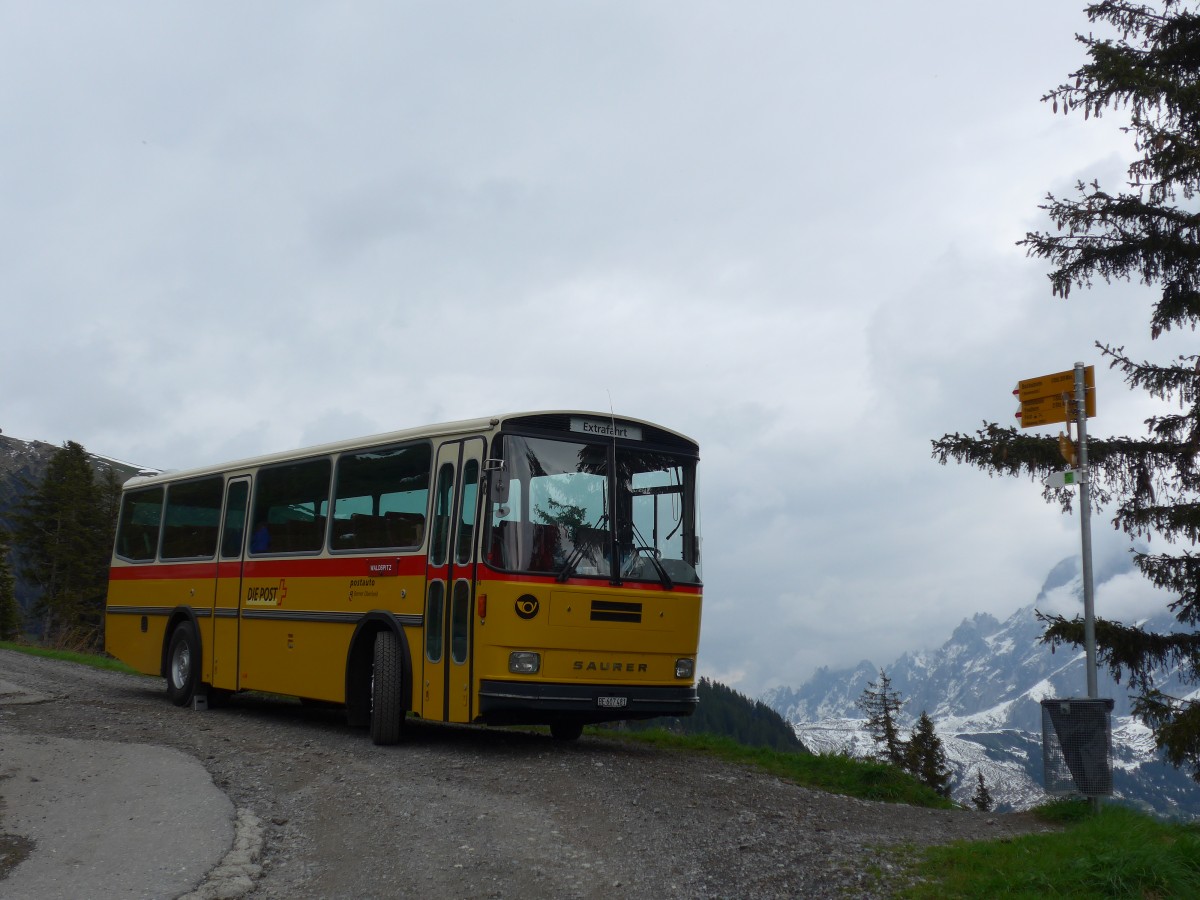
{"type": "Point", "coordinates": [443, 429]}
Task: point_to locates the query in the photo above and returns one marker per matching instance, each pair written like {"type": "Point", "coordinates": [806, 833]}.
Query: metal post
{"type": "Point", "coordinates": [1085, 526]}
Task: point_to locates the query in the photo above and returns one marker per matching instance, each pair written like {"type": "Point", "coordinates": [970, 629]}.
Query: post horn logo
{"type": "Point", "coordinates": [527, 606]}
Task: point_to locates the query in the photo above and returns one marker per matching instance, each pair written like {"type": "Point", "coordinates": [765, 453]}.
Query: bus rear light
{"type": "Point", "coordinates": [685, 668]}
{"type": "Point", "coordinates": [524, 662]}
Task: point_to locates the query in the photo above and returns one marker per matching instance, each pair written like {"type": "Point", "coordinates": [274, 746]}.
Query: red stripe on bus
{"type": "Point", "coordinates": [154, 572]}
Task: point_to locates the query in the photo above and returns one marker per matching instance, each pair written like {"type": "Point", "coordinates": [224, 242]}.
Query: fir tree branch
{"type": "Point", "coordinates": [1179, 575]}
{"type": "Point", "coordinates": [1176, 726]}
{"type": "Point", "coordinates": [1127, 650]}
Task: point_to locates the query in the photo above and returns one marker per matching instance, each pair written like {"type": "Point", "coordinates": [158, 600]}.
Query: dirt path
{"type": "Point", "coordinates": [473, 812]}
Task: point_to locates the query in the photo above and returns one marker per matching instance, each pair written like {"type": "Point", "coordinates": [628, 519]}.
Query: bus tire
{"type": "Point", "coordinates": [183, 664]}
{"type": "Point", "coordinates": [566, 731]}
{"type": "Point", "coordinates": [387, 683]}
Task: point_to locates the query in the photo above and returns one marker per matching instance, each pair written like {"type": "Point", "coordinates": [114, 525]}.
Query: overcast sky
{"type": "Point", "coordinates": [787, 230]}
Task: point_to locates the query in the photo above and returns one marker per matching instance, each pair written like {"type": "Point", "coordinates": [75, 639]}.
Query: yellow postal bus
{"type": "Point", "coordinates": [532, 568]}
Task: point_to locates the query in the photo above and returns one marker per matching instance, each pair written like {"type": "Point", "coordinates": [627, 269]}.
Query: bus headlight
{"type": "Point", "coordinates": [524, 662]}
{"type": "Point", "coordinates": [685, 668]}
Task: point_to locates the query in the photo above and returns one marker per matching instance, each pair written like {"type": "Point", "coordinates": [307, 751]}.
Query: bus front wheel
{"type": "Point", "coordinates": [387, 682]}
{"type": "Point", "coordinates": [183, 664]}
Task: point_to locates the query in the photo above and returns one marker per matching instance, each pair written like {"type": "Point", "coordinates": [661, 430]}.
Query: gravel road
{"type": "Point", "coordinates": [489, 813]}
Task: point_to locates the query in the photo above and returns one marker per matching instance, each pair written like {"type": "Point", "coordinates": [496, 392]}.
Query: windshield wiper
{"type": "Point", "coordinates": [577, 551]}
{"type": "Point", "coordinates": [652, 554]}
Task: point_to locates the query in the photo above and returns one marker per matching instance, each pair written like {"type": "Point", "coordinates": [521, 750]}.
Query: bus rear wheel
{"type": "Point", "coordinates": [387, 683]}
{"type": "Point", "coordinates": [183, 664]}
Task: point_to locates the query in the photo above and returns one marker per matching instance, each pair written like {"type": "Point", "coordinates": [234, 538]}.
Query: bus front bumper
{"type": "Point", "coordinates": [525, 703]}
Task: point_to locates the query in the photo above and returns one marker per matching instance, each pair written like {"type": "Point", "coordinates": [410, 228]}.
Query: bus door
{"type": "Point", "coordinates": [450, 583]}
{"type": "Point", "coordinates": [228, 602]}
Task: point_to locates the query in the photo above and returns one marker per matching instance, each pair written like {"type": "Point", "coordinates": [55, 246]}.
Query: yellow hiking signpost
{"type": "Point", "coordinates": [1051, 398]}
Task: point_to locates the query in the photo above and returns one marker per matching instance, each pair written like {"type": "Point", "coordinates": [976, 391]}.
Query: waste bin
{"type": "Point", "coordinates": [1077, 746]}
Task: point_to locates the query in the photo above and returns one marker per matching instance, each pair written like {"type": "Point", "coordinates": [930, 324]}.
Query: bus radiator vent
{"type": "Point", "coordinates": [616, 611]}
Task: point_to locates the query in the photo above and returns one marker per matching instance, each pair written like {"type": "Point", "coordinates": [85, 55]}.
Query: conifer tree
{"type": "Point", "coordinates": [724, 711]}
{"type": "Point", "coordinates": [1148, 230]}
{"type": "Point", "coordinates": [882, 706]}
{"type": "Point", "coordinates": [10, 612]}
{"type": "Point", "coordinates": [982, 798]}
{"type": "Point", "coordinates": [925, 757]}
{"type": "Point", "coordinates": [63, 535]}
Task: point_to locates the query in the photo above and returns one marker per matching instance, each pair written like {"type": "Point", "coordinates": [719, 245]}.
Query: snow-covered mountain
{"type": "Point", "coordinates": [983, 689]}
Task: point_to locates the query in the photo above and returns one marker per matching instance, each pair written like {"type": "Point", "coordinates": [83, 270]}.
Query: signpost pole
{"type": "Point", "coordinates": [1085, 525]}
{"type": "Point", "coordinates": [1045, 400]}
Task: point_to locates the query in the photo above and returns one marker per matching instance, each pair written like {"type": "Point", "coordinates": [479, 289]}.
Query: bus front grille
{"type": "Point", "coordinates": [616, 611]}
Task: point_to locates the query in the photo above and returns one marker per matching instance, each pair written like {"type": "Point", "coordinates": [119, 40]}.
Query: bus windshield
{"type": "Point", "coordinates": [561, 507]}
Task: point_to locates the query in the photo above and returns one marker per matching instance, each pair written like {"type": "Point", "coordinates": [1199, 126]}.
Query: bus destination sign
{"type": "Point", "coordinates": [608, 428]}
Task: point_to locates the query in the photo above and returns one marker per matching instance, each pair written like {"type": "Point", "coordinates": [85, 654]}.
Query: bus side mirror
{"type": "Point", "coordinates": [497, 479]}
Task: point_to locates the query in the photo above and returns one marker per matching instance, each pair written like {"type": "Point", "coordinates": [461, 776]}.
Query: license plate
{"type": "Point", "coordinates": [612, 702]}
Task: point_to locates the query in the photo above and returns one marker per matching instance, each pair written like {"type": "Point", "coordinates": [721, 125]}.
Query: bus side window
{"type": "Point", "coordinates": [380, 498]}
{"type": "Point", "coordinates": [192, 519]}
{"type": "Point", "coordinates": [141, 515]}
{"type": "Point", "coordinates": [290, 501]}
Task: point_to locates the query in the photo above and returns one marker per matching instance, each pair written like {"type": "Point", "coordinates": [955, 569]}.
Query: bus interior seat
{"type": "Point", "coordinates": [544, 548]}
{"type": "Point", "coordinates": [404, 529]}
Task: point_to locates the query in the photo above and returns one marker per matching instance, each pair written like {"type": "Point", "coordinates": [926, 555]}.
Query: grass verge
{"type": "Point", "coordinates": [1118, 853]}
{"type": "Point", "coordinates": [95, 660]}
